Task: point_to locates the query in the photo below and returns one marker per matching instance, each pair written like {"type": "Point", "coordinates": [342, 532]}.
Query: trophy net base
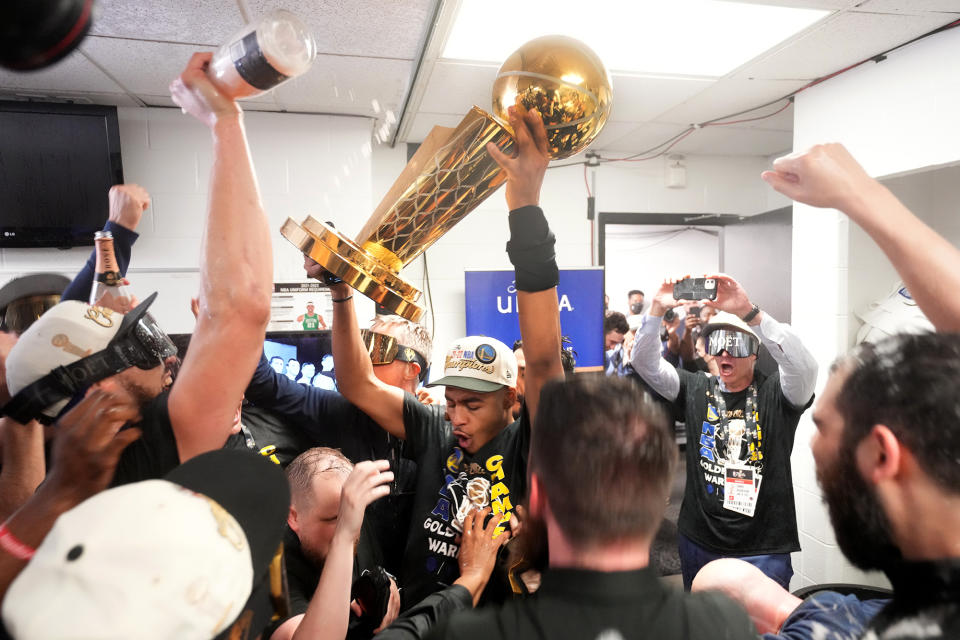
{"type": "Point", "coordinates": [344, 259]}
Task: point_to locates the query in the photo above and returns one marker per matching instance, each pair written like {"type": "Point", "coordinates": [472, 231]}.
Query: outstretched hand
{"type": "Point", "coordinates": [731, 297]}
{"type": "Point", "coordinates": [127, 204]}
{"type": "Point", "coordinates": [88, 445]}
{"type": "Point", "coordinates": [663, 299]}
{"type": "Point", "coordinates": [368, 481]}
{"type": "Point", "coordinates": [193, 92]}
{"type": "Point", "coordinates": [825, 175]}
{"type": "Point", "coordinates": [526, 169]}
{"type": "Point", "coordinates": [478, 550]}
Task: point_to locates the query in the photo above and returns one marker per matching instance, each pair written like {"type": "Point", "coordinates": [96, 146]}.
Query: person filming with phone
{"type": "Point", "coordinates": [740, 424]}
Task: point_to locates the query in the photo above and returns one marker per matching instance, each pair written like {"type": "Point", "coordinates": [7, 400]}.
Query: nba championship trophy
{"type": "Point", "coordinates": [452, 172]}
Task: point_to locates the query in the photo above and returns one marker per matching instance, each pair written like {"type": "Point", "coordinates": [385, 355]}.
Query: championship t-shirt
{"type": "Point", "coordinates": [449, 483]}
{"type": "Point", "coordinates": [718, 451]}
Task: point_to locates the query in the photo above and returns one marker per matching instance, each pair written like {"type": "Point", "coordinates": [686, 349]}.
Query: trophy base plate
{"type": "Point", "coordinates": [358, 268]}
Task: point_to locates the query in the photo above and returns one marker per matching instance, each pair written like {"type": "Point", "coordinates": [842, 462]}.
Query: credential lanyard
{"type": "Point", "coordinates": [750, 413]}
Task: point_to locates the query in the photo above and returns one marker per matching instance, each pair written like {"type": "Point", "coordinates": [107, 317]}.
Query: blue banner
{"type": "Point", "coordinates": [491, 301]}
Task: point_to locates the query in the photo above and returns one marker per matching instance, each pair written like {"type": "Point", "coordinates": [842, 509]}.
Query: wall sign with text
{"type": "Point", "coordinates": [491, 305]}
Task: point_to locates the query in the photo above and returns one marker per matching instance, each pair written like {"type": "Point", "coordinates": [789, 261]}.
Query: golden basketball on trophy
{"type": "Point", "coordinates": [451, 173]}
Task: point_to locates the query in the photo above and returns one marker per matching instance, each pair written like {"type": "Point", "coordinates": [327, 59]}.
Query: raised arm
{"type": "Point", "coordinates": [531, 250]}
{"type": "Point", "coordinates": [828, 176]}
{"type": "Point", "coordinates": [127, 204]}
{"type": "Point", "coordinates": [798, 367]}
{"type": "Point", "coordinates": [646, 358]}
{"type": "Point", "coordinates": [328, 614]}
{"type": "Point", "coordinates": [355, 378]}
{"type": "Point", "coordinates": [236, 273]}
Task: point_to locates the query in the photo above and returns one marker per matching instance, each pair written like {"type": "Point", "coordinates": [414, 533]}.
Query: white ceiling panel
{"type": "Point", "coordinates": [840, 42]}
{"type": "Point", "coordinates": [735, 141]}
{"type": "Point", "coordinates": [209, 22]}
{"type": "Point", "coordinates": [730, 96]}
{"type": "Point", "coordinates": [611, 132]}
{"type": "Point", "coordinates": [391, 29]}
{"type": "Point", "coordinates": [74, 73]}
{"type": "Point", "coordinates": [141, 67]}
{"type": "Point", "coordinates": [637, 139]}
{"type": "Point", "coordinates": [639, 98]}
{"type": "Point", "coordinates": [806, 4]}
{"type": "Point", "coordinates": [911, 6]}
{"type": "Point", "coordinates": [338, 84]}
{"type": "Point", "coordinates": [456, 86]}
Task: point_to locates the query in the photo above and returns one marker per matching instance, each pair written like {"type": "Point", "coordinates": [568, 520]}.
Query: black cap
{"type": "Point", "coordinates": [251, 488]}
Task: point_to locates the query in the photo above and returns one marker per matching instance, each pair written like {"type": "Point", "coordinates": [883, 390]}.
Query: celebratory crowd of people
{"type": "Point", "coordinates": [142, 497]}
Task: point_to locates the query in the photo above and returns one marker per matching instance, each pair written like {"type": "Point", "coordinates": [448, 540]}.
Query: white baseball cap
{"type": "Point", "coordinates": [155, 559]}
{"type": "Point", "coordinates": [478, 363]}
{"type": "Point", "coordinates": [65, 333]}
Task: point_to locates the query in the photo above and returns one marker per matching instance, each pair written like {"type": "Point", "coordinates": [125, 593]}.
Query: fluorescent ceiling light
{"type": "Point", "coordinates": [681, 37]}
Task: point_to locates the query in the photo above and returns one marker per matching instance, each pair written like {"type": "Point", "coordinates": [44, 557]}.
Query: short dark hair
{"type": "Point", "coordinates": [634, 292]}
{"type": "Point", "coordinates": [605, 455]}
{"type": "Point", "coordinates": [276, 358]}
{"type": "Point", "coordinates": [911, 384]}
{"type": "Point", "coordinates": [616, 321]}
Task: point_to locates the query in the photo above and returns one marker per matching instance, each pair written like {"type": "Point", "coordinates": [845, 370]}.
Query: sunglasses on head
{"type": "Point", "coordinates": [384, 349]}
{"type": "Point", "coordinates": [140, 342]}
{"type": "Point", "coordinates": [737, 343]}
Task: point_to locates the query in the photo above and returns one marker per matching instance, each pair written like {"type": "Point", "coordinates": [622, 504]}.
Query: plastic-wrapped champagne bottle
{"type": "Point", "coordinates": [264, 54]}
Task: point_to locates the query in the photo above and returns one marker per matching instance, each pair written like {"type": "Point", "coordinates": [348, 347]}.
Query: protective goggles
{"type": "Point", "coordinates": [384, 349]}
{"type": "Point", "coordinates": [737, 343]}
{"type": "Point", "coordinates": [140, 342]}
{"type": "Point", "coordinates": [20, 314]}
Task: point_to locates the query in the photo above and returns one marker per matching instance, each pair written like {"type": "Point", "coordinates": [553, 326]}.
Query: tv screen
{"type": "Point", "coordinates": [57, 164]}
{"type": "Point", "coordinates": [303, 356]}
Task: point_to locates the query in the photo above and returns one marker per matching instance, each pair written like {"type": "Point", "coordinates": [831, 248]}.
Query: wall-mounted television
{"type": "Point", "coordinates": [304, 356]}
{"type": "Point", "coordinates": [57, 164]}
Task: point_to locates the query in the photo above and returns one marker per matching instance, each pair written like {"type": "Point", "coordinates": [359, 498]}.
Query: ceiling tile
{"type": "Point", "coordinates": [735, 141]}
{"type": "Point", "coordinates": [638, 138]}
{"type": "Point", "coordinates": [348, 27]}
{"type": "Point", "coordinates": [454, 87]}
{"type": "Point", "coordinates": [639, 98]}
{"type": "Point", "coordinates": [141, 67]}
{"type": "Point", "coordinates": [209, 22]}
{"type": "Point", "coordinates": [839, 42]}
{"type": "Point", "coordinates": [912, 6]}
{"type": "Point", "coordinates": [337, 84]}
{"type": "Point", "coordinates": [808, 4]}
{"type": "Point", "coordinates": [730, 95]}
{"type": "Point", "coordinates": [73, 73]}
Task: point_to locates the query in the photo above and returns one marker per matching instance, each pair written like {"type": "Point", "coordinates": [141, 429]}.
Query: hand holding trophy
{"type": "Point", "coordinates": [453, 171]}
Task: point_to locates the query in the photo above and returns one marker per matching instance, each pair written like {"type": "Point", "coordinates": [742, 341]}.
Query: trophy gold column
{"type": "Point", "coordinates": [451, 173]}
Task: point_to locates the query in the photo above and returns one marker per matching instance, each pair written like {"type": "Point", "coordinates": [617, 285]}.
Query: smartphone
{"type": "Point", "coordinates": [693, 310]}
{"type": "Point", "coordinates": [695, 289]}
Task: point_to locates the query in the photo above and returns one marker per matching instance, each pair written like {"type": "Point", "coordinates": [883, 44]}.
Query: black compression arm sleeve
{"type": "Point", "coordinates": [531, 250]}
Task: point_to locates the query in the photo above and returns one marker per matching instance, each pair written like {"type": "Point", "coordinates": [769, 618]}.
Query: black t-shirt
{"type": "Point", "coordinates": [154, 453]}
{"type": "Point", "coordinates": [703, 518]}
{"type": "Point", "coordinates": [318, 417]}
{"type": "Point", "coordinates": [303, 576]}
{"type": "Point", "coordinates": [576, 603]}
{"type": "Point", "coordinates": [449, 481]}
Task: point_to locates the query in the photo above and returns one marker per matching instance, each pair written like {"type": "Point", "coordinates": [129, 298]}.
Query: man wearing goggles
{"type": "Point", "coordinates": [740, 426]}
{"type": "Point", "coordinates": [76, 347]}
{"type": "Point", "coordinates": [399, 351]}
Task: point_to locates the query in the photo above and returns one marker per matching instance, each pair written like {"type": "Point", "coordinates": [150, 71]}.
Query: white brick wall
{"type": "Point", "coordinates": [299, 160]}
{"type": "Point", "coordinates": [895, 117]}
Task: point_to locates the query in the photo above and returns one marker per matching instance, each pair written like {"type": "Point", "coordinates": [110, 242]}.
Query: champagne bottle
{"type": "Point", "coordinates": [108, 288]}
{"type": "Point", "coordinates": [264, 54]}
